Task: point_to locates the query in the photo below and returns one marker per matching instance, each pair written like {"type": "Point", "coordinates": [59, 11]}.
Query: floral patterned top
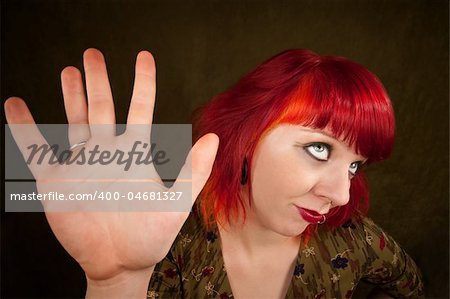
{"type": "Point", "coordinates": [330, 265]}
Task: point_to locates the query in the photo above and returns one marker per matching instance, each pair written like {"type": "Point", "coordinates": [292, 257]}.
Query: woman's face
{"type": "Point", "coordinates": [295, 168]}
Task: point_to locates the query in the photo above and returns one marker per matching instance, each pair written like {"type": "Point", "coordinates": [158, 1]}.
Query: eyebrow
{"type": "Point", "coordinates": [319, 132]}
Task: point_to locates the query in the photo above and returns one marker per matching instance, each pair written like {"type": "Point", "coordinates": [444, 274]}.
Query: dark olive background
{"type": "Point", "coordinates": [202, 48]}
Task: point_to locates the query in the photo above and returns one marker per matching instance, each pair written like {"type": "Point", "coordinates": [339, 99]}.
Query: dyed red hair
{"type": "Point", "coordinates": [296, 87]}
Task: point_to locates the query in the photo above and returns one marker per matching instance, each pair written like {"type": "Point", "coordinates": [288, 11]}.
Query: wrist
{"type": "Point", "coordinates": [129, 284]}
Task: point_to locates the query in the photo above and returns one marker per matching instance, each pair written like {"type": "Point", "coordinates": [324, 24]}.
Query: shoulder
{"type": "Point", "coordinates": [176, 272]}
{"type": "Point", "coordinates": [353, 232]}
{"type": "Point", "coordinates": [336, 254]}
{"type": "Point", "coordinates": [359, 241]}
{"type": "Point", "coordinates": [366, 243]}
{"type": "Point", "coordinates": [197, 255]}
{"type": "Point", "coordinates": [360, 230]}
{"type": "Point", "coordinates": [194, 241]}
{"type": "Point", "coordinates": [192, 232]}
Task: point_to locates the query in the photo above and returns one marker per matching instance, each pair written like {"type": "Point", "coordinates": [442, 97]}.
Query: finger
{"type": "Point", "coordinates": [100, 100]}
{"type": "Point", "coordinates": [198, 165]}
{"type": "Point", "coordinates": [26, 134]}
{"type": "Point", "coordinates": [140, 114]}
{"type": "Point", "coordinates": [143, 98]}
{"type": "Point", "coordinates": [75, 105]}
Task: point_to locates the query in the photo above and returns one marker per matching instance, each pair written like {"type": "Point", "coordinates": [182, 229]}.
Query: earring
{"type": "Point", "coordinates": [244, 172]}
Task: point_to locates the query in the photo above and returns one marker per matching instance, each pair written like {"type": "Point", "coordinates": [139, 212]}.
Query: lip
{"type": "Point", "coordinates": [309, 215]}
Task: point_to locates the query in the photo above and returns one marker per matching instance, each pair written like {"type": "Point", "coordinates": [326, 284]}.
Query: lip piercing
{"type": "Point", "coordinates": [324, 218]}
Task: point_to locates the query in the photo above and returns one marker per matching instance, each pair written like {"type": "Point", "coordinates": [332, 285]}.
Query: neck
{"type": "Point", "coordinates": [253, 239]}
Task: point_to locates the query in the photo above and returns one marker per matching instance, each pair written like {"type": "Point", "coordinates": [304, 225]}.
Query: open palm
{"type": "Point", "coordinates": [107, 244]}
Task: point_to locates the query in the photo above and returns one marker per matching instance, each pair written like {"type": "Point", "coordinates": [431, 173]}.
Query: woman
{"type": "Point", "coordinates": [283, 210]}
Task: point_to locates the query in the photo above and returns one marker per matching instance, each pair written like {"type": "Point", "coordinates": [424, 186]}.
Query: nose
{"type": "Point", "coordinates": [334, 186]}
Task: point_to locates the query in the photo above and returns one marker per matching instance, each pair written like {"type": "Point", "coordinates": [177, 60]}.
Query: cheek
{"type": "Point", "coordinates": [282, 174]}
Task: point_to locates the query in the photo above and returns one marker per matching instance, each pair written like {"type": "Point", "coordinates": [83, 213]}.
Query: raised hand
{"type": "Point", "coordinates": [111, 247]}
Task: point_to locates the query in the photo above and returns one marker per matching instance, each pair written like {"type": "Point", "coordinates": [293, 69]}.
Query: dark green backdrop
{"type": "Point", "coordinates": [201, 48]}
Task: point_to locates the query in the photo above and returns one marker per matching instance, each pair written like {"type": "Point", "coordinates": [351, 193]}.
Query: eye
{"type": "Point", "coordinates": [319, 151]}
{"type": "Point", "coordinates": [354, 167]}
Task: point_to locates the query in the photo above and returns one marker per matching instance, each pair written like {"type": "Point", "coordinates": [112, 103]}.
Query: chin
{"type": "Point", "coordinates": [294, 230]}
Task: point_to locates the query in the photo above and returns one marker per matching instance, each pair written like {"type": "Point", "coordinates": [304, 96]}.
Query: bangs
{"type": "Point", "coordinates": [349, 101]}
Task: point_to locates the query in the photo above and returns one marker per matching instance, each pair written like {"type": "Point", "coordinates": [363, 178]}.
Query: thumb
{"type": "Point", "coordinates": [198, 165]}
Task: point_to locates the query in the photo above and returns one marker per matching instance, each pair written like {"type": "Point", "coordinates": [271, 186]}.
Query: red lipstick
{"type": "Point", "coordinates": [309, 215]}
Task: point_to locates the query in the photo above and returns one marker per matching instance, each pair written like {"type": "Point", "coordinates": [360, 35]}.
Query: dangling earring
{"type": "Point", "coordinates": [244, 172]}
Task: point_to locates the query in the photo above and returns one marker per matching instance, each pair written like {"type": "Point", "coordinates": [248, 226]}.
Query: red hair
{"type": "Point", "coordinates": [296, 87]}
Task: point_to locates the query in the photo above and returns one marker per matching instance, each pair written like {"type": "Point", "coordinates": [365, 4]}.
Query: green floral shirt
{"type": "Point", "coordinates": [329, 266]}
